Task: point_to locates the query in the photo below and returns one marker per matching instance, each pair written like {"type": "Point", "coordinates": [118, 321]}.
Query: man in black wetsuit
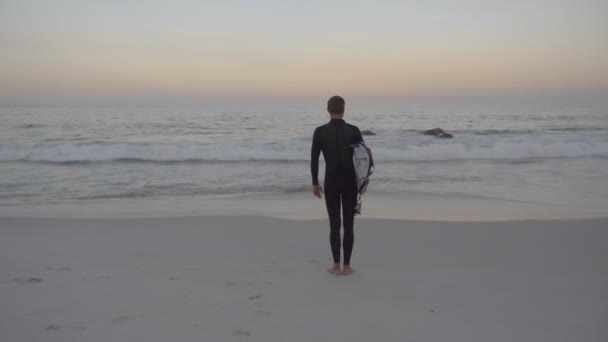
{"type": "Point", "coordinates": [334, 139]}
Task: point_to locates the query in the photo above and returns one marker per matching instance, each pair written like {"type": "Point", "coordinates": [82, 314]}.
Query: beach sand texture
{"type": "Point", "coordinates": [263, 279]}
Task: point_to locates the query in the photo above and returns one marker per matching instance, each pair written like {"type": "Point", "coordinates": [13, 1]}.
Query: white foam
{"type": "Point", "coordinates": [162, 152]}
{"type": "Point", "coordinates": [189, 151]}
{"type": "Point", "coordinates": [495, 151]}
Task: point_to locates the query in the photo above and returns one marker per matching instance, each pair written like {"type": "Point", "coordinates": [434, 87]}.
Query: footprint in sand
{"type": "Point", "coordinates": [58, 269]}
{"type": "Point", "coordinates": [241, 333]}
{"type": "Point", "coordinates": [55, 327]}
{"type": "Point", "coordinates": [234, 283]}
{"type": "Point", "coordinates": [313, 261]}
{"type": "Point", "coordinates": [174, 278]}
{"type": "Point", "coordinates": [264, 312]}
{"type": "Point", "coordinates": [99, 277]}
{"type": "Point", "coordinates": [27, 280]}
{"type": "Point", "coordinates": [123, 319]}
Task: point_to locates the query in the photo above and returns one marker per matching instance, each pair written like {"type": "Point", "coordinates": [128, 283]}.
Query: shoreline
{"type": "Point", "coordinates": [302, 206]}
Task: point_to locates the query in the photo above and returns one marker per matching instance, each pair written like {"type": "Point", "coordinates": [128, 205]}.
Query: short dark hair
{"type": "Point", "coordinates": [335, 105]}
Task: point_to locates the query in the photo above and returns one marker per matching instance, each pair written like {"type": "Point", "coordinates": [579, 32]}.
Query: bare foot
{"type": "Point", "coordinates": [335, 270]}
{"type": "Point", "coordinates": [347, 270]}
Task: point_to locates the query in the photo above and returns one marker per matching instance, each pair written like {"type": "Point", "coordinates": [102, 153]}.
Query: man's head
{"type": "Point", "coordinates": [335, 105]}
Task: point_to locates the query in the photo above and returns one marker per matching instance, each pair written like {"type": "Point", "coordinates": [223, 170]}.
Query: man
{"type": "Point", "coordinates": [334, 139]}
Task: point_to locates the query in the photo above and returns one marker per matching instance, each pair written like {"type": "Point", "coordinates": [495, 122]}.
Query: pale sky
{"type": "Point", "coordinates": [109, 49]}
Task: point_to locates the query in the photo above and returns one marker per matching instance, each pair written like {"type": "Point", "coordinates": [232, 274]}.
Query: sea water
{"type": "Point", "coordinates": [548, 154]}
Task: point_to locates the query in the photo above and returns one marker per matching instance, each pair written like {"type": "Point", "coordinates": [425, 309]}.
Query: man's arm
{"type": "Point", "coordinates": [315, 151]}
{"type": "Point", "coordinates": [358, 135]}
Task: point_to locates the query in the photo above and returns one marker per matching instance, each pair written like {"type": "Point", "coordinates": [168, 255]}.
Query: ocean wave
{"type": "Point", "coordinates": [191, 189]}
{"type": "Point", "coordinates": [29, 125]}
{"type": "Point", "coordinates": [512, 151]}
{"type": "Point", "coordinates": [142, 152]}
{"type": "Point", "coordinates": [578, 129]}
{"type": "Point", "coordinates": [476, 131]}
{"type": "Point", "coordinates": [197, 152]}
{"type": "Point", "coordinates": [536, 131]}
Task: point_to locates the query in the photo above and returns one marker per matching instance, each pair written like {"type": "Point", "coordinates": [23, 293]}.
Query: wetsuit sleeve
{"type": "Point", "coordinates": [358, 135]}
{"type": "Point", "coordinates": [315, 151]}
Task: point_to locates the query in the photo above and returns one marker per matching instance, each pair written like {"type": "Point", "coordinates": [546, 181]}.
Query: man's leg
{"type": "Point", "coordinates": [332, 201]}
{"type": "Point", "coordinates": [349, 200]}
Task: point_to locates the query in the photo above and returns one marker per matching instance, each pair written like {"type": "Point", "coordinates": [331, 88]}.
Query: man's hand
{"type": "Point", "coordinates": [317, 191]}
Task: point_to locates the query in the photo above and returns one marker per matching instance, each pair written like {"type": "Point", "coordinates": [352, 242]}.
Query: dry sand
{"type": "Point", "coordinates": [262, 279]}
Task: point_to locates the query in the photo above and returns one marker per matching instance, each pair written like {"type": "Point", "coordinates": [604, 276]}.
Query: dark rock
{"type": "Point", "coordinates": [438, 132]}
{"type": "Point", "coordinates": [434, 131]}
{"type": "Point", "coordinates": [367, 132]}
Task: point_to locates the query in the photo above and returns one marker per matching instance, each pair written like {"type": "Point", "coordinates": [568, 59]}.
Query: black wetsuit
{"type": "Point", "coordinates": [334, 139]}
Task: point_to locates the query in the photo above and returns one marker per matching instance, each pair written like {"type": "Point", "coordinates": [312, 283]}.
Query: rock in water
{"type": "Point", "coordinates": [367, 132]}
{"type": "Point", "coordinates": [434, 131]}
{"type": "Point", "coordinates": [438, 132]}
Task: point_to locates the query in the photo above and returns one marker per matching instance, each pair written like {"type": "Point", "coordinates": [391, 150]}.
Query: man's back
{"type": "Point", "coordinates": [334, 139]}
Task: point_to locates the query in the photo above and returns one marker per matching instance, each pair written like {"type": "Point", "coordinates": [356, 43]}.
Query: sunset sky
{"type": "Point", "coordinates": [114, 49]}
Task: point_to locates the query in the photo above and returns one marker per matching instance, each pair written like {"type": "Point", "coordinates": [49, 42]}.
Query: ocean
{"type": "Point", "coordinates": [541, 154]}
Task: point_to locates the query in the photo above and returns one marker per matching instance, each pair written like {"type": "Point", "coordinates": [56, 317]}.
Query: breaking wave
{"type": "Point", "coordinates": [198, 152]}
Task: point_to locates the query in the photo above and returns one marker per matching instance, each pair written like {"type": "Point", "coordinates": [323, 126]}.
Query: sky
{"type": "Point", "coordinates": [106, 50]}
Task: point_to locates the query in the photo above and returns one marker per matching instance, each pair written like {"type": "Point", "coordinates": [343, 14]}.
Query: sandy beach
{"type": "Point", "coordinates": [250, 278]}
{"type": "Point", "coordinates": [168, 171]}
